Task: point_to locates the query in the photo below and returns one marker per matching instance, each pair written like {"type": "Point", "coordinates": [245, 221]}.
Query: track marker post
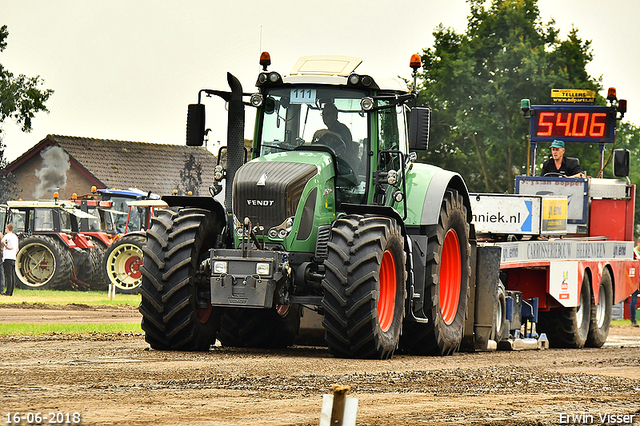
{"type": "Point", "coordinates": [338, 409]}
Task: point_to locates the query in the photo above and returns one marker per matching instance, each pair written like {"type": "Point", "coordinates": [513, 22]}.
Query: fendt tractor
{"type": "Point", "coordinates": [331, 215]}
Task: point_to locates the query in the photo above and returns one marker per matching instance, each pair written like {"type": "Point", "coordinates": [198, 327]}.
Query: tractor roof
{"type": "Point", "coordinates": [334, 70]}
{"type": "Point", "coordinates": [67, 205]}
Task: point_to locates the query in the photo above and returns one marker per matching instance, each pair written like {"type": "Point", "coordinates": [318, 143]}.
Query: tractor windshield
{"type": "Point", "coordinates": [305, 115]}
{"type": "Point", "coordinates": [312, 116]}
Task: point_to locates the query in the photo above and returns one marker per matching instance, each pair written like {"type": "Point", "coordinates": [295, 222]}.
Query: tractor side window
{"type": "Point", "coordinates": [135, 215]}
{"type": "Point", "coordinates": [94, 224]}
{"type": "Point", "coordinates": [390, 122]}
{"type": "Point", "coordinates": [18, 219]}
{"type": "Point", "coordinates": [65, 221]}
{"type": "Point", "coordinates": [43, 220]}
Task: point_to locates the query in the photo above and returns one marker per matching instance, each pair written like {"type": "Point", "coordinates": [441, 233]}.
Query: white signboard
{"type": "Point", "coordinates": [563, 249]}
{"type": "Point", "coordinates": [505, 214]}
{"type": "Point", "coordinates": [575, 189]}
{"type": "Point", "coordinates": [563, 283]}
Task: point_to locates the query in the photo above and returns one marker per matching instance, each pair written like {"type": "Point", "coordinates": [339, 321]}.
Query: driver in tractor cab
{"type": "Point", "coordinates": [335, 129]}
{"type": "Point", "coordinates": [338, 137]}
{"type": "Point", "coordinates": [560, 165]}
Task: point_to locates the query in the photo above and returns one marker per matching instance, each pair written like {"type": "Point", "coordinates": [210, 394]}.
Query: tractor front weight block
{"type": "Point", "coordinates": [246, 281]}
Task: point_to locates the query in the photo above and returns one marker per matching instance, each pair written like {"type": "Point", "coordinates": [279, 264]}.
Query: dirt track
{"type": "Point", "coordinates": [117, 379]}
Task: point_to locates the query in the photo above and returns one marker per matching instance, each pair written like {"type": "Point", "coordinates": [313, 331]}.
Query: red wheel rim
{"type": "Point", "coordinates": [387, 297]}
{"type": "Point", "coordinates": [450, 273]}
{"type": "Point", "coordinates": [132, 267]}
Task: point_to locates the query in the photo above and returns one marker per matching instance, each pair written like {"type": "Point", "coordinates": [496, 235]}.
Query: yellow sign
{"type": "Point", "coordinates": [573, 96]}
{"type": "Point", "coordinates": [554, 213]}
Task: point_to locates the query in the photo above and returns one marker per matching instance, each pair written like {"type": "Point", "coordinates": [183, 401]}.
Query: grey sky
{"type": "Point", "coordinates": [127, 70]}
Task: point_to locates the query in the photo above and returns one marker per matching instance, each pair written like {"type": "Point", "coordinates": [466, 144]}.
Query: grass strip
{"type": "Point", "coordinates": [62, 297]}
{"type": "Point", "coordinates": [68, 328]}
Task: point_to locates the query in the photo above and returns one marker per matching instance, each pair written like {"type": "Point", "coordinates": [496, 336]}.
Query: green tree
{"type": "Point", "coordinates": [21, 97]}
{"type": "Point", "coordinates": [473, 82]}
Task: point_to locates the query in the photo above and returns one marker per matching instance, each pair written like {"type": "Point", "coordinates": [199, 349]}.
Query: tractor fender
{"type": "Point", "coordinates": [207, 203]}
{"type": "Point", "coordinates": [373, 209]}
{"type": "Point", "coordinates": [440, 182]}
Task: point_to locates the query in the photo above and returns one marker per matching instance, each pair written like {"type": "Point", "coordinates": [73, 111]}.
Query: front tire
{"type": "Point", "coordinates": [364, 287]}
{"type": "Point", "coordinates": [601, 313]}
{"type": "Point", "coordinates": [447, 283]}
{"type": "Point", "coordinates": [176, 311]}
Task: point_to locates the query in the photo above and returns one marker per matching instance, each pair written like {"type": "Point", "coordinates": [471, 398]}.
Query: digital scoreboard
{"type": "Point", "coordinates": [573, 123]}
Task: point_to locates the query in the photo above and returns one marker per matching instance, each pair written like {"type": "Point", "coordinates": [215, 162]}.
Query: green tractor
{"type": "Point", "coordinates": [331, 214]}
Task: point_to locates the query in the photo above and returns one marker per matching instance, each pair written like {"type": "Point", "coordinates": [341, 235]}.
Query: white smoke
{"type": "Point", "coordinates": [53, 176]}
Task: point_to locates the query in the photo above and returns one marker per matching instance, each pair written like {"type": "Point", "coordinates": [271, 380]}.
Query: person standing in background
{"type": "Point", "coordinates": [633, 303]}
{"type": "Point", "coordinates": [2, 289]}
{"type": "Point", "coordinates": [10, 242]}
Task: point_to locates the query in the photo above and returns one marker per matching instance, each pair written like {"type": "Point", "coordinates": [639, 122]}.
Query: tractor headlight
{"type": "Point", "coordinates": [256, 100]}
{"type": "Point", "coordinates": [366, 104]}
{"type": "Point", "coordinates": [262, 268]}
{"type": "Point", "coordinates": [219, 267]}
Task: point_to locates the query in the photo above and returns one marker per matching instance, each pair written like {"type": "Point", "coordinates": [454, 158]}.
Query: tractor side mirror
{"type": "Point", "coordinates": [621, 162]}
{"type": "Point", "coordinates": [419, 128]}
{"type": "Point", "coordinates": [195, 125]}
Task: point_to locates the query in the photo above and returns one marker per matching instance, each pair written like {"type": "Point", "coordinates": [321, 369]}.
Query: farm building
{"type": "Point", "coordinates": [70, 164]}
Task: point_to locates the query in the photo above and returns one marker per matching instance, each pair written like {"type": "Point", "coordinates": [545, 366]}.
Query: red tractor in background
{"type": "Point", "coordinates": [53, 253]}
{"type": "Point", "coordinates": [121, 220]}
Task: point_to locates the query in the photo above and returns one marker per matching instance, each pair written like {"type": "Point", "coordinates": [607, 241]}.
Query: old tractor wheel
{"type": "Point", "coordinates": [447, 283]}
{"type": "Point", "coordinates": [364, 287]}
{"type": "Point", "coordinates": [99, 280]}
{"type": "Point", "coordinates": [601, 313]}
{"type": "Point", "coordinates": [87, 270]}
{"type": "Point", "coordinates": [569, 327]}
{"type": "Point", "coordinates": [260, 328]}
{"type": "Point", "coordinates": [176, 308]}
{"type": "Point", "coordinates": [123, 260]}
{"type": "Point", "coordinates": [43, 263]}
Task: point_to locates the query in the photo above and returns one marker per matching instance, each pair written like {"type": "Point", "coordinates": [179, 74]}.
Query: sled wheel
{"type": "Point", "coordinates": [601, 313]}
{"type": "Point", "coordinates": [176, 307]}
{"type": "Point", "coordinates": [569, 327]}
{"type": "Point", "coordinates": [364, 287]}
{"type": "Point", "coordinates": [447, 283]}
{"type": "Point", "coordinates": [123, 261]}
{"type": "Point", "coordinates": [43, 263]}
{"type": "Point", "coordinates": [500, 322]}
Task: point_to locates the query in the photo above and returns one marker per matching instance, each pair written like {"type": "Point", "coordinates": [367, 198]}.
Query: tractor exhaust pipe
{"type": "Point", "coordinates": [235, 144]}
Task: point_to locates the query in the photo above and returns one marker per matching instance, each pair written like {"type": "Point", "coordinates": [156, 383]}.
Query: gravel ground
{"type": "Point", "coordinates": [117, 379]}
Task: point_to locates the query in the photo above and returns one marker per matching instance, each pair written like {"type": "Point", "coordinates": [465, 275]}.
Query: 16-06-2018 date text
{"type": "Point", "coordinates": [39, 418]}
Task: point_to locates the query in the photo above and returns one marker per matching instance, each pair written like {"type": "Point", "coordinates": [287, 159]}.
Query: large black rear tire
{"type": "Point", "coordinates": [176, 311]}
{"type": "Point", "coordinates": [601, 313]}
{"type": "Point", "coordinates": [569, 327]}
{"type": "Point", "coordinates": [447, 283]}
{"type": "Point", "coordinates": [260, 328]}
{"type": "Point", "coordinates": [43, 263]}
{"type": "Point", "coordinates": [364, 287]}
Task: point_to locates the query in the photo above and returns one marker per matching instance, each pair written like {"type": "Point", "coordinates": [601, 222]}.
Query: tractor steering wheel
{"type": "Point", "coordinates": [332, 140]}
